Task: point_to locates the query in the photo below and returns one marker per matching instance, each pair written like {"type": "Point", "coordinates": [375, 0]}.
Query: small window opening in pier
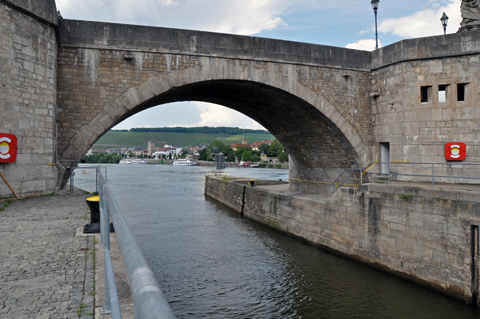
{"type": "Point", "coordinates": [385, 157]}
{"type": "Point", "coordinates": [461, 90]}
{"type": "Point", "coordinates": [425, 93]}
{"type": "Point", "coordinates": [442, 93]}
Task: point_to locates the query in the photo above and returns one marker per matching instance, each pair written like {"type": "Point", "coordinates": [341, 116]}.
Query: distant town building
{"type": "Point", "coordinates": [151, 148]}
{"type": "Point", "coordinates": [256, 145]}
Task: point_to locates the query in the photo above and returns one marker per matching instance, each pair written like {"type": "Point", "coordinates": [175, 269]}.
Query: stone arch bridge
{"type": "Point", "coordinates": [65, 83]}
{"type": "Point", "coordinates": [314, 99]}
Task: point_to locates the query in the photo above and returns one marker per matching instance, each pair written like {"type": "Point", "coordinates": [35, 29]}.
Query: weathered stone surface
{"type": "Point", "coordinates": [408, 231]}
{"type": "Point", "coordinates": [28, 92]}
{"type": "Point", "coordinates": [46, 271]}
{"type": "Point", "coordinates": [276, 95]}
{"type": "Point", "coordinates": [330, 107]}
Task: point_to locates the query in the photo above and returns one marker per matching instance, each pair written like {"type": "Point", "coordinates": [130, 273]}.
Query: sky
{"type": "Point", "coordinates": [340, 23]}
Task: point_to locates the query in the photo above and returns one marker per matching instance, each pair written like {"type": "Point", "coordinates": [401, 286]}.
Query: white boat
{"type": "Point", "coordinates": [184, 162]}
{"type": "Point", "coordinates": [125, 161]}
{"type": "Point", "coordinates": [139, 161]}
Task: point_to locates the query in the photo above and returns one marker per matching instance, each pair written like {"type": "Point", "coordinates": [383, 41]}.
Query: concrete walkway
{"type": "Point", "coordinates": [48, 268]}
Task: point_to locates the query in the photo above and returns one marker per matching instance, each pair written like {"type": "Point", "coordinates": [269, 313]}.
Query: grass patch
{"type": "Point", "coordinates": [408, 198]}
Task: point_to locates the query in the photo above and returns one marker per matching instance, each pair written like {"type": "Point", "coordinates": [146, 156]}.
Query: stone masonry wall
{"type": "Point", "coordinates": [28, 54]}
{"type": "Point", "coordinates": [417, 130]}
{"type": "Point", "coordinates": [319, 108]}
{"type": "Point", "coordinates": [420, 234]}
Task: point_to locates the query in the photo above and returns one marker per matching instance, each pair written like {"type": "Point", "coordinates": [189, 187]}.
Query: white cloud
{"type": "Point", "coordinates": [233, 16]}
{"type": "Point", "coordinates": [217, 115]}
{"type": "Point", "coordinates": [365, 45]}
{"type": "Point", "coordinates": [424, 23]}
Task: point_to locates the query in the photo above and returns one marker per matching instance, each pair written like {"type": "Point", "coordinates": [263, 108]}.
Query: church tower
{"type": "Point", "coordinates": [244, 141]}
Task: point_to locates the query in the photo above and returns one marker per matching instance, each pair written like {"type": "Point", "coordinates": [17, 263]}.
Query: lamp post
{"type": "Point", "coordinates": [444, 20]}
{"type": "Point", "coordinates": [375, 4]}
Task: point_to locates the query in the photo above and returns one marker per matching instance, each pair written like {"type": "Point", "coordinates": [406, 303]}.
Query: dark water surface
{"type": "Point", "coordinates": [211, 263]}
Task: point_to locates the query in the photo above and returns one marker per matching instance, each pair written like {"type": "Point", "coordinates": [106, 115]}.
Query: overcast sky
{"type": "Point", "coordinates": [341, 23]}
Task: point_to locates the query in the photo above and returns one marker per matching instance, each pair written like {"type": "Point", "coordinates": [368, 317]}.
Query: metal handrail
{"type": "Point", "coordinates": [149, 301]}
{"type": "Point", "coordinates": [390, 174]}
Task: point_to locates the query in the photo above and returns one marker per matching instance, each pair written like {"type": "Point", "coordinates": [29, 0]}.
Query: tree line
{"type": "Point", "coordinates": [244, 153]}
{"type": "Point", "coordinates": [203, 129]}
{"type": "Point", "coordinates": [112, 158]}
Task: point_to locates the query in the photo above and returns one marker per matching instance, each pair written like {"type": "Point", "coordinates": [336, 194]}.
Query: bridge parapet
{"type": "Point", "coordinates": [428, 48]}
{"type": "Point", "coordinates": [100, 35]}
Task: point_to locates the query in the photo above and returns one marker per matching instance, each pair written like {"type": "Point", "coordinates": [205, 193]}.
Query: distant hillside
{"type": "Point", "coordinates": [116, 139]}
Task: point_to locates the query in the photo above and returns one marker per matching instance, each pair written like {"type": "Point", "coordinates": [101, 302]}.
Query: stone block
{"type": "Point", "coordinates": [449, 194]}
{"type": "Point", "coordinates": [430, 192]}
{"type": "Point", "coordinates": [468, 196]}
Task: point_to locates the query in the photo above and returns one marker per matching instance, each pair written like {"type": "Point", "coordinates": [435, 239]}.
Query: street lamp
{"type": "Point", "coordinates": [444, 20]}
{"type": "Point", "coordinates": [375, 4]}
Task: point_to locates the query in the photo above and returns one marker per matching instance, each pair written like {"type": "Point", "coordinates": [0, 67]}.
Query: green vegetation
{"type": "Point", "coordinates": [207, 154]}
{"type": "Point", "coordinates": [102, 158]}
{"type": "Point", "coordinates": [408, 198]}
{"type": "Point", "coordinates": [275, 150]}
{"type": "Point", "coordinates": [202, 129]}
{"type": "Point", "coordinates": [244, 153]}
{"type": "Point", "coordinates": [179, 136]}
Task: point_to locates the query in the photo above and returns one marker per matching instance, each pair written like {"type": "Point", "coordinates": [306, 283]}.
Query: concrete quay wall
{"type": "Point", "coordinates": [423, 235]}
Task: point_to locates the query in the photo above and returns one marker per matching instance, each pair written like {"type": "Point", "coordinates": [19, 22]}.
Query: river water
{"type": "Point", "coordinates": [211, 263]}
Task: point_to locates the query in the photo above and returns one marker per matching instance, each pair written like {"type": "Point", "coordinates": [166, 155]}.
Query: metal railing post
{"type": "Point", "coordinates": [105, 232]}
{"type": "Point", "coordinates": [106, 225]}
{"type": "Point", "coordinates": [96, 179]}
{"type": "Point", "coordinates": [102, 202]}
{"type": "Point", "coordinates": [389, 175]}
{"type": "Point", "coordinates": [361, 175]}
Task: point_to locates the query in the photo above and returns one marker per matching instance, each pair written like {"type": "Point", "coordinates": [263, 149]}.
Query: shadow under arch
{"type": "Point", "coordinates": [319, 147]}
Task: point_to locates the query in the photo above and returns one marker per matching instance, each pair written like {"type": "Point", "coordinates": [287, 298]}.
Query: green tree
{"type": "Point", "coordinates": [229, 153]}
{"type": "Point", "coordinates": [255, 158]}
{"type": "Point", "coordinates": [102, 158]}
{"type": "Point", "coordinates": [240, 150]}
{"type": "Point", "coordinates": [246, 155]}
{"type": "Point", "coordinates": [213, 148]}
{"type": "Point", "coordinates": [264, 148]}
{"type": "Point", "coordinates": [216, 146]}
{"type": "Point", "coordinates": [283, 157]}
{"type": "Point", "coordinates": [203, 155]}
{"type": "Point", "coordinates": [275, 149]}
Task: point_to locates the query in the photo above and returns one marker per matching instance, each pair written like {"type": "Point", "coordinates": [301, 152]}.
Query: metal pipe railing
{"type": "Point", "coordinates": [390, 174]}
{"type": "Point", "coordinates": [149, 301]}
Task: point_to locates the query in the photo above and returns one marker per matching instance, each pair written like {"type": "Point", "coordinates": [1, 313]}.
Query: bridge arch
{"type": "Point", "coordinates": [313, 127]}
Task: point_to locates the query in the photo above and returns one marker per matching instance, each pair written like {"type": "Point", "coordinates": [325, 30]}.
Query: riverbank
{"type": "Point", "coordinates": [213, 164]}
{"type": "Point", "coordinates": [428, 236]}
